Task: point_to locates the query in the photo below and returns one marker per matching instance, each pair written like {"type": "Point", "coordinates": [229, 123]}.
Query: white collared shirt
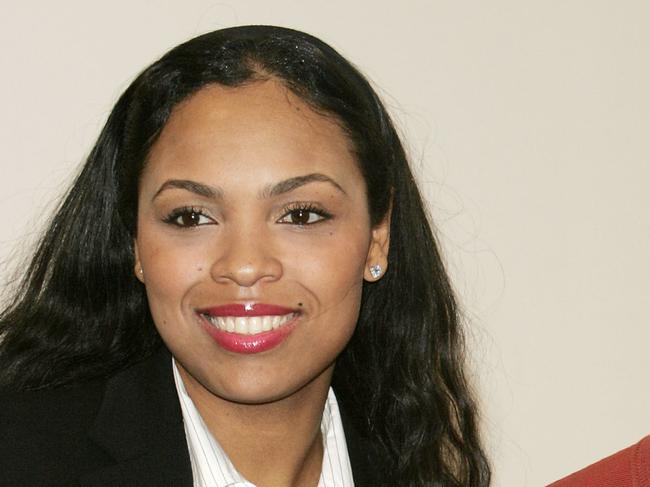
{"type": "Point", "coordinates": [211, 467]}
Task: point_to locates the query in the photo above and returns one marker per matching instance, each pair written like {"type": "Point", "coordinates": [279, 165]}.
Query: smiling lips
{"type": "Point", "coordinates": [248, 328]}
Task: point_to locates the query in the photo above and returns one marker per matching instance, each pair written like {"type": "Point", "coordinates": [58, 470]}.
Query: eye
{"type": "Point", "coordinates": [304, 215]}
{"type": "Point", "coordinates": [188, 217]}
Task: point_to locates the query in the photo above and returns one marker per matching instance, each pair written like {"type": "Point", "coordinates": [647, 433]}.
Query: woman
{"type": "Point", "coordinates": [254, 184]}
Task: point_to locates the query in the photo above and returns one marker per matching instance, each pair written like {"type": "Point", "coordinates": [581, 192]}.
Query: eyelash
{"type": "Point", "coordinates": [186, 210]}
{"type": "Point", "coordinates": [308, 207]}
{"type": "Point", "coordinates": [173, 217]}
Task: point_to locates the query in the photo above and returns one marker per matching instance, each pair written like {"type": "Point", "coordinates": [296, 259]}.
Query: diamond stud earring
{"type": "Point", "coordinates": [375, 271]}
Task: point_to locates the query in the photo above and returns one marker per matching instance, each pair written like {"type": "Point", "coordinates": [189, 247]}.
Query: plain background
{"type": "Point", "coordinates": [528, 125]}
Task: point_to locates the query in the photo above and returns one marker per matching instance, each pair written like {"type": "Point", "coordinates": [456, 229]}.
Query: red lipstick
{"type": "Point", "coordinates": [238, 327]}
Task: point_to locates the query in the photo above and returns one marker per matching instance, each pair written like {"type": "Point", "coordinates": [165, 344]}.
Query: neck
{"type": "Point", "coordinates": [275, 444]}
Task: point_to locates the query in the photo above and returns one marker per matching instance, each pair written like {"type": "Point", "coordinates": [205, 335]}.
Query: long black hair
{"type": "Point", "coordinates": [80, 313]}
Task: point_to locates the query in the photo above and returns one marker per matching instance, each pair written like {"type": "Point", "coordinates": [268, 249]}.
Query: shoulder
{"type": "Point", "coordinates": [629, 467]}
{"type": "Point", "coordinates": [50, 401]}
{"type": "Point", "coordinates": [43, 433]}
{"type": "Point", "coordinates": [125, 429]}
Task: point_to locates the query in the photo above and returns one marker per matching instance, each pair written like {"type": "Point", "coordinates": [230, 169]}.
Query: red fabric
{"type": "Point", "coordinates": [627, 468]}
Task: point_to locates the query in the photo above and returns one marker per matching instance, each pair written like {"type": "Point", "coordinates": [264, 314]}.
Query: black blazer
{"type": "Point", "coordinates": [123, 431]}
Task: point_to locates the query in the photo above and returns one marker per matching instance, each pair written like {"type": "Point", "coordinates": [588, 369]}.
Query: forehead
{"type": "Point", "coordinates": [261, 127]}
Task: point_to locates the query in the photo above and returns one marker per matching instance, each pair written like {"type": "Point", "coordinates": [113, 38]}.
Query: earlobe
{"type": "Point", "coordinates": [376, 271]}
{"type": "Point", "coordinates": [137, 269]}
{"type": "Point", "coordinates": [377, 260]}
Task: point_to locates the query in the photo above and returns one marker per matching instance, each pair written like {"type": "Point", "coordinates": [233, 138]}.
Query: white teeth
{"type": "Point", "coordinates": [241, 325]}
{"type": "Point", "coordinates": [255, 324]}
{"type": "Point", "coordinates": [276, 322]}
{"type": "Point", "coordinates": [267, 323]}
{"type": "Point", "coordinates": [249, 325]}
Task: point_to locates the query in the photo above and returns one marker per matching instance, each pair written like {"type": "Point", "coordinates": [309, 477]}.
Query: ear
{"type": "Point", "coordinates": [377, 259]}
{"type": "Point", "coordinates": [137, 268]}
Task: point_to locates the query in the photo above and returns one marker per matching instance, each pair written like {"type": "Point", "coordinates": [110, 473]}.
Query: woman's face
{"type": "Point", "coordinates": [254, 239]}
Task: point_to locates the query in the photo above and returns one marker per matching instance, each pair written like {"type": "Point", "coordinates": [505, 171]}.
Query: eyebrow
{"type": "Point", "coordinates": [191, 186]}
{"type": "Point", "coordinates": [293, 183]}
{"type": "Point", "coordinates": [269, 191]}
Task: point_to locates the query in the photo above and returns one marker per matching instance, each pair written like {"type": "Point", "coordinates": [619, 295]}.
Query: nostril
{"type": "Point", "coordinates": [248, 272]}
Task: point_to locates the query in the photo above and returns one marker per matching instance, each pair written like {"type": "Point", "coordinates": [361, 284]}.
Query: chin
{"type": "Point", "coordinates": [253, 388]}
{"type": "Point", "coordinates": [253, 393]}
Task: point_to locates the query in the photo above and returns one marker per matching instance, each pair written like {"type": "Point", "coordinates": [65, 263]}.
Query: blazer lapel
{"type": "Point", "coordinates": [140, 424]}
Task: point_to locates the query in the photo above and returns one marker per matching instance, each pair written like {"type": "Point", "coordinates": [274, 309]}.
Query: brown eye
{"type": "Point", "coordinates": [300, 217]}
{"type": "Point", "coordinates": [303, 216]}
{"type": "Point", "coordinates": [188, 218]}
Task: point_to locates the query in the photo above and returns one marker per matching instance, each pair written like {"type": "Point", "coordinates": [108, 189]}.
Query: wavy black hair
{"type": "Point", "coordinates": [80, 314]}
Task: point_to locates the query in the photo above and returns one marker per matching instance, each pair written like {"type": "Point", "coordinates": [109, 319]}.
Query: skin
{"type": "Point", "coordinates": [244, 245]}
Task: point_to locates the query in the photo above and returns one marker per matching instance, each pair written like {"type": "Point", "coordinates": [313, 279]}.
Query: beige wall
{"type": "Point", "coordinates": [529, 125]}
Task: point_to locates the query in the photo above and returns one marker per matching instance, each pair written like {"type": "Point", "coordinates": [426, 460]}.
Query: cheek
{"type": "Point", "coordinates": [330, 267]}
{"type": "Point", "coordinates": [170, 270]}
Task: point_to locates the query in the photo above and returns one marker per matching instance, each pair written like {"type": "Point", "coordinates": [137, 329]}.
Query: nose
{"type": "Point", "coordinates": [245, 259]}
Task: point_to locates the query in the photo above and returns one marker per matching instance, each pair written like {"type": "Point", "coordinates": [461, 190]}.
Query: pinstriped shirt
{"type": "Point", "coordinates": [211, 467]}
